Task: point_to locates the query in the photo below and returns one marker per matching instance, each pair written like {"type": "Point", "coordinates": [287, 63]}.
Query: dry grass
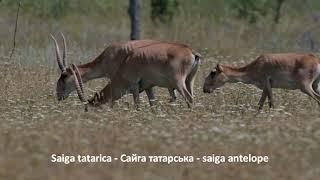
{"type": "Point", "coordinates": [34, 125]}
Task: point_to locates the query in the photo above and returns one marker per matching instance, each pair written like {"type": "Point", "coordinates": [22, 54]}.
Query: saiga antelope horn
{"type": "Point", "coordinates": [61, 66]}
{"type": "Point", "coordinates": [64, 53]}
{"type": "Point", "coordinates": [79, 85]}
{"type": "Point", "coordinates": [75, 68]}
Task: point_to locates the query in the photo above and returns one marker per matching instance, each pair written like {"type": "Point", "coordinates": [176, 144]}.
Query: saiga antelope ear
{"type": "Point", "coordinates": [219, 68]}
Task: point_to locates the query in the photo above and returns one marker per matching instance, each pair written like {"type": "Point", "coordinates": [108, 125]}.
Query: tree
{"type": "Point", "coordinates": [135, 17]}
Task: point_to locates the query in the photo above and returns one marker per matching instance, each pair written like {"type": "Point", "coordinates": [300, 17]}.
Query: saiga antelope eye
{"type": "Point", "coordinates": [212, 74]}
{"type": "Point", "coordinates": [64, 75]}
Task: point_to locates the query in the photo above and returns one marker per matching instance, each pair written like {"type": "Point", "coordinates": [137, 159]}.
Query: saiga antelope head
{"type": "Point", "coordinates": [66, 82]}
{"type": "Point", "coordinates": [70, 78]}
{"type": "Point", "coordinates": [215, 80]}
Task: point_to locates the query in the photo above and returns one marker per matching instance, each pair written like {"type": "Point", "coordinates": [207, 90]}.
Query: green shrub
{"type": "Point", "coordinates": [163, 10]}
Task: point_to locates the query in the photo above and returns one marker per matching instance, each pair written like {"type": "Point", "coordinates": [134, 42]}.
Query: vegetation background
{"type": "Point", "coordinates": [33, 125]}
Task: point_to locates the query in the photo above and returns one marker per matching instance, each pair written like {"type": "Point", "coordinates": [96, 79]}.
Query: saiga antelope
{"type": "Point", "coordinates": [114, 57]}
{"type": "Point", "coordinates": [286, 71]}
{"type": "Point", "coordinates": [157, 64]}
{"type": "Point", "coordinates": [111, 62]}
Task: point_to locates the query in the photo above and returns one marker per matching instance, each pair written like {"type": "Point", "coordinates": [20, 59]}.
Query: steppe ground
{"type": "Point", "coordinates": [34, 125]}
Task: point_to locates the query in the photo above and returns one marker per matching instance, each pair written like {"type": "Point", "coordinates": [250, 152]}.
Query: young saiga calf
{"type": "Point", "coordinates": [286, 71]}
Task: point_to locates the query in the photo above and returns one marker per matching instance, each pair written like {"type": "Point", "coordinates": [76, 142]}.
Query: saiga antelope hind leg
{"type": "Point", "coordinates": [267, 92]}
{"type": "Point", "coordinates": [191, 78]}
{"type": "Point", "coordinates": [181, 87]}
{"type": "Point", "coordinates": [262, 99]}
{"type": "Point", "coordinates": [189, 82]}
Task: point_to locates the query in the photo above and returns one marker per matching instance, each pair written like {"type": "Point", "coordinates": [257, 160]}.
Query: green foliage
{"type": "Point", "coordinates": [42, 8]}
{"type": "Point", "coordinates": [251, 9]}
{"type": "Point", "coordinates": [60, 8]}
{"type": "Point", "coordinates": [163, 10]}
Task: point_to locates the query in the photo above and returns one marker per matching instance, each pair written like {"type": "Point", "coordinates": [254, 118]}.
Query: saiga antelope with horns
{"type": "Point", "coordinates": [117, 57]}
{"type": "Point", "coordinates": [286, 71]}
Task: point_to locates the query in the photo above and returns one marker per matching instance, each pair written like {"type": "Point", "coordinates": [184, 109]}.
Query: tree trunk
{"type": "Point", "coordinates": [135, 17]}
{"type": "Point", "coordinates": [277, 11]}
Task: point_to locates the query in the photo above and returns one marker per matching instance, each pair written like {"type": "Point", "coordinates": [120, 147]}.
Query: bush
{"type": "Point", "coordinates": [163, 10]}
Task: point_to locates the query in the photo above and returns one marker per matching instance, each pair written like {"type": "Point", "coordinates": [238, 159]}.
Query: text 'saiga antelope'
{"type": "Point", "coordinates": [286, 71]}
{"type": "Point", "coordinates": [134, 66]}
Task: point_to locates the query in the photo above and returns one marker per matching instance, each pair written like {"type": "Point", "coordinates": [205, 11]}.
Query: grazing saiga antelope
{"type": "Point", "coordinates": [126, 61]}
{"type": "Point", "coordinates": [286, 71]}
{"type": "Point", "coordinates": [115, 56]}
{"type": "Point", "coordinates": [157, 64]}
